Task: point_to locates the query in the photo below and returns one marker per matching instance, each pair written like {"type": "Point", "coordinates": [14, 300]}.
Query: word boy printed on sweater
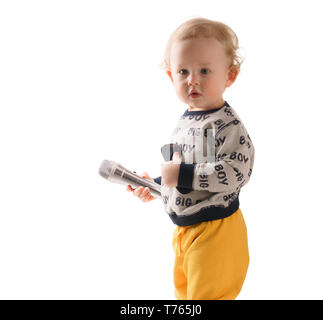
{"type": "Point", "coordinates": [217, 160]}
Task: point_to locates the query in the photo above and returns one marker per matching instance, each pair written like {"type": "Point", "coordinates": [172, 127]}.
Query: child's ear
{"type": "Point", "coordinates": [169, 73]}
{"type": "Point", "coordinates": [232, 75]}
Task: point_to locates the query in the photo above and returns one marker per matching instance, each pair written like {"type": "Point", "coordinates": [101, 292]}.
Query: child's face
{"type": "Point", "coordinates": [200, 65]}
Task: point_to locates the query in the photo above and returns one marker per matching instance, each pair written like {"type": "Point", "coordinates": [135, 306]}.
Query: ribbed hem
{"type": "Point", "coordinates": [186, 175]}
{"type": "Point", "coordinates": [205, 214]}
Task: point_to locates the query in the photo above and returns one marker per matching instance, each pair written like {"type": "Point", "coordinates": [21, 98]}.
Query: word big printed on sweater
{"type": "Point", "coordinates": [217, 161]}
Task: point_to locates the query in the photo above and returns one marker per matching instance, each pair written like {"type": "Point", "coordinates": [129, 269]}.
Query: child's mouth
{"type": "Point", "coordinates": [195, 95]}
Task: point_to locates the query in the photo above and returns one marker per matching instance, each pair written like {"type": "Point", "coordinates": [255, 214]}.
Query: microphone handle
{"type": "Point", "coordinates": [115, 172]}
{"type": "Point", "coordinates": [136, 181]}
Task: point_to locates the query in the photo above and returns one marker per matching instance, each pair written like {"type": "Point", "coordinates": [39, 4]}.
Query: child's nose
{"type": "Point", "coordinates": [193, 81]}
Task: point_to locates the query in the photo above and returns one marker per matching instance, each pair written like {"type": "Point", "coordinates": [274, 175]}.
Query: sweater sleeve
{"type": "Point", "coordinates": [232, 165]}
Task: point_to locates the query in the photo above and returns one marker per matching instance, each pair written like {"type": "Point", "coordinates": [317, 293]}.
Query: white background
{"type": "Point", "coordinates": [80, 82]}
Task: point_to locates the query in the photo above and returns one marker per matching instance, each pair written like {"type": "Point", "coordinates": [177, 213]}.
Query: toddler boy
{"type": "Point", "coordinates": [200, 184]}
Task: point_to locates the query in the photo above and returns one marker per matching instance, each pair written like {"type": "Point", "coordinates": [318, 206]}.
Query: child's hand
{"type": "Point", "coordinates": [142, 193]}
{"type": "Point", "coordinates": [170, 170]}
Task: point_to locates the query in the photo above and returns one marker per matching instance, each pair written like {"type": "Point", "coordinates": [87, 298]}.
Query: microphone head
{"type": "Point", "coordinates": [107, 168]}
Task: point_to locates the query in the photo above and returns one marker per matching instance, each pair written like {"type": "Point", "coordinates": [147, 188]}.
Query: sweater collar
{"type": "Point", "coordinates": [190, 113]}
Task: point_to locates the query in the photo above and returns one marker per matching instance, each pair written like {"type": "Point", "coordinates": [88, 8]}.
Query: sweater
{"type": "Point", "coordinates": [217, 161]}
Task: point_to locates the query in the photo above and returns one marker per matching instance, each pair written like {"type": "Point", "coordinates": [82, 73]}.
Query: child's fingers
{"type": "Point", "coordinates": [146, 195]}
{"type": "Point", "coordinates": [143, 193]}
{"type": "Point", "coordinates": [137, 192]}
{"type": "Point", "coordinates": [148, 198]}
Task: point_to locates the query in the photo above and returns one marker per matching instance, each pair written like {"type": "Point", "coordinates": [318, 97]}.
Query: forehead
{"type": "Point", "coordinates": [198, 50]}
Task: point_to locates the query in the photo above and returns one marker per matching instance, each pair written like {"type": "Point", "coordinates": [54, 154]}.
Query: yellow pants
{"type": "Point", "coordinates": [211, 259]}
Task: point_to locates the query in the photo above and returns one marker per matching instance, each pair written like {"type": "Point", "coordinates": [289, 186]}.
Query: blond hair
{"type": "Point", "coordinates": [200, 27]}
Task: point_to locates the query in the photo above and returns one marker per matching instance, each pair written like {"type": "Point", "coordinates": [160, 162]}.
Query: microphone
{"type": "Point", "coordinates": [115, 172]}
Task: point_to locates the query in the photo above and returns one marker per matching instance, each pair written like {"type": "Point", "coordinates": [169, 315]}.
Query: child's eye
{"type": "Point", "coordinates": [182, 71]}
{"type": "Point", "coordinates": [205, 71]}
